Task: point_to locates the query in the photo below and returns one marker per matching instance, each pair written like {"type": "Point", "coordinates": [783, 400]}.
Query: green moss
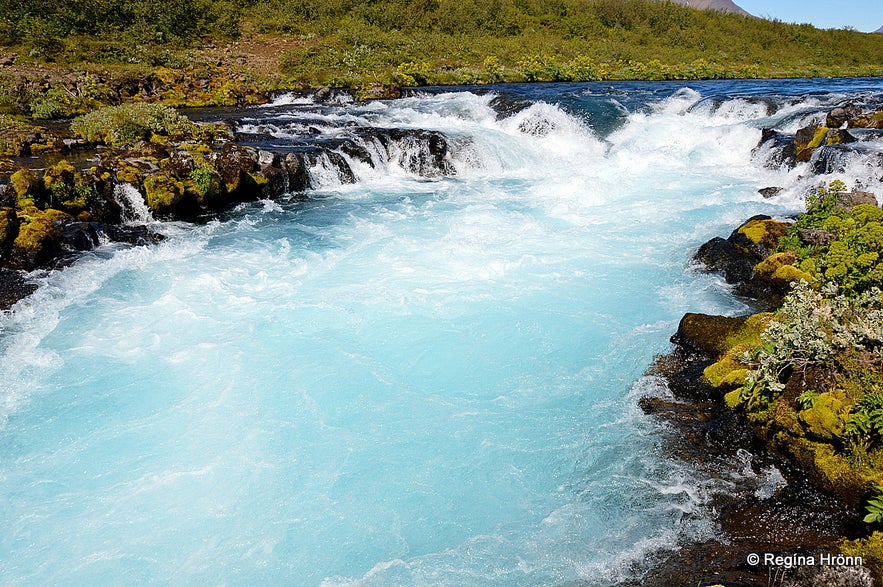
{"type": "Point", "coordinates": [37, 227]}
{"type": "Point", "coordinates": [826, 418]}
{"type": "Point", "coordinates": [26, 186]}
{"type": "Point", "coordinates": [870, 549]}
{"type": "Point", "coordinates": [733, 399]}
{"type": "Point", "coordinates": [726, 373]}
{"type": "Point", "coordinates": [805, 150]}
{"type": "Point", "coordinates": [208, 184]}
{"type": "Point", "coordinates": [9, 224]}
{"type": "Point", "coordinates": [164, 193]}
{"type": "Point", "coordinates": [765, 232]}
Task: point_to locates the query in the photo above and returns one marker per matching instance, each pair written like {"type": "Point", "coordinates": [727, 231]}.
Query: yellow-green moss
{"type": "Point", "coordinates": [36, 228]}
{"type": "Point", "coordinates": [779, 268]}
{"type": "Point", "coordinates": [59, 175]}
{"type": "Point", "coordinates": [8, 226]}
{"type": "Point", "coordinates": [804, 151]}
{"type": "Point", "coordinates": [734, 399]}
{"type": "Point", "coordinates": [26, 186]}
{"type": "Point", "coordinates": [164, 193]}
{"type": "Point", "coordinates": [129, 174]}
{"type": "Point", "coordinates": [832, 470]}
{"type": "Point", "coordinates": [826, 418]}
{"type": "Point", "coordinates": [259, 178]}
{"type": "Point", "coordinates": [765, 232]}
{"type": "Point", "coordinates": [748, 334]}
{"type": "Point", "coordinates": [871, 551]}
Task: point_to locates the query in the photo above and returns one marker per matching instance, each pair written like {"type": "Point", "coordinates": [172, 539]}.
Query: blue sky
{"type": "Point", "coordinates": [862, 15]}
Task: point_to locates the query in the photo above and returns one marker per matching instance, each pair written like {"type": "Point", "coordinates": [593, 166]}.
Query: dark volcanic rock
{"type": "Point", "coordinates": [737, 256]}
{"type": "Point", "coordinates": [13, 287]}
{"type": "Point", "coordinates": [770, 192]}
{"type": "Point", "coordinates": [842, 115]}
{"type": "Point", "coordinates": [769, 506]}
{"type": "Point", "coordinates": [781, 147]}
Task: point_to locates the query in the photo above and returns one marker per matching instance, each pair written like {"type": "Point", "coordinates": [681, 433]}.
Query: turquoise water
{"type": "Point", "coordinates": [401, 381]}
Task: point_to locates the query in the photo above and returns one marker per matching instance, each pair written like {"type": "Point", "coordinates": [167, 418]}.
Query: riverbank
{"type": "Point", "coordinates": [807, 415]}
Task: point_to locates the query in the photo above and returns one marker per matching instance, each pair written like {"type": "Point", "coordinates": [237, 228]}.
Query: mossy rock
{"type": "Point", "coordinates": [870, 549]}
{"type": "Point", "coordinates": [765, 232]}
{"type": "Point", "coordinates": [779, 269]}
{"type": "Point", "coordinates": [831, 470]}
{"type": "Point", "coordinates": [728, 372]}
{"type": "Point", "coordinates": [826, 418]}
{"type": "Point", "coordinates": [37, 242]}
{"type": "Point", "coordinates": [28, 188]}
{"type": "Point", "coordinates": [9, 226]}
{"type": "Point", "coordinates": [165, 194]}
{"type": "Point", "coordinates": [61, 175]}
{"type": "Point", "coordinates": [808, 139]}
{"type": "Point", "coordinates": [126, 173]}
{"type": "Point", "coordinates": [208, 186]}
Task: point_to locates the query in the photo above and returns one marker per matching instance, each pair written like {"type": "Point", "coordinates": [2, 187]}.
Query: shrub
{"type": "Point", "coordinates": [129, 123]}
{"type": "Point", "coordinates": [816, 330]}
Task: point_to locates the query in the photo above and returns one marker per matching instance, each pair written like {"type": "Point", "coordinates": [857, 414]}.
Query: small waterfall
{"type": "Point", "coordinates": [135, 210]}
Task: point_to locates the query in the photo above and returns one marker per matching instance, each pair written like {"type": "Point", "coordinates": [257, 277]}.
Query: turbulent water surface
{"type": "Point", "coordinates": [412, 374]}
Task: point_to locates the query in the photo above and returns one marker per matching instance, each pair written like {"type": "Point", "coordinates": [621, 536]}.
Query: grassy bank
{"type": "Point", "coordinates": [61, 60]}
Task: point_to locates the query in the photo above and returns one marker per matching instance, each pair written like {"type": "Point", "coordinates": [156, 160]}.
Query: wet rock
{"type": "Point", "coordinates": [13, 287]}
{"type": "Point", "coordinates": [276, 181]}
{"type": "Point", "coordinates": [138, 235]}
{"type": "Point", "coordinates": [839, 136]}
{"type": "Point", "coordinates": [807, 140]}
{"type": "Point", "coordinates": [721, 255]}
{"type": "Point", "coordinates": [842, 115]}
{"type": "Point", "coordinates": [297, 172]}
{"type": "Point", "coordinates": [780, 146]}
{"type": "Point", "coordinates": [76, 236]}
{"type": "Point", "coordinates": [738, 256]}
{"type": "Point", "coordinates": [770, 192]}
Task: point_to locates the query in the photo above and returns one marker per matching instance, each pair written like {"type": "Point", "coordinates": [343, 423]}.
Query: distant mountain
{"type": "Point", "coordinates": [880, 30]}
{"type": "Point", "coordinates": [719, 5]}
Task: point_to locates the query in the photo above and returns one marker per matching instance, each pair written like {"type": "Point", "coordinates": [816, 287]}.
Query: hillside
{"type": "Point", "coordinates": [719, 5]}
{"type": "Point", "coordinates": [63, 60]}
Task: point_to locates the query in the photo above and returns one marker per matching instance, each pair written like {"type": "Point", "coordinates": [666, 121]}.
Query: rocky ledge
{"type": "Point", "coordinates": [804, 424]}
{"type": "Point", "coordinates": [126, 167]}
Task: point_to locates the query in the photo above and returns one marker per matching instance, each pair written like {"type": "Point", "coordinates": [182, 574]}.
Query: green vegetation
{"type": "Point", "coordinates": [852, 258]}
{"type": "Point", "coordinates": [129, 123]}
{"type": "Point", "coordinates": [810, 375]}
{"type": "Point", "coordinates": [167, 50]}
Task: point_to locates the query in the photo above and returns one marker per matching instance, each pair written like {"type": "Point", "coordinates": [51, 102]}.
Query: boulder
{"type": "Point", "coordinates": [842, 115]}
{"type": "Point", "coordinates": [815, 237]}
{"type": "Point", "coordinates": [850, 200]}
{"type": "Point", "coordinates": [770, 192]}
{"type": "Point", "coordinates": [707, 334]}
{"type": "Point", "coordinates": [807, 140]}
{"type": "Point", "coordinates": [9, 224]}
{"type": "Point", "coordinates": [294, 166]}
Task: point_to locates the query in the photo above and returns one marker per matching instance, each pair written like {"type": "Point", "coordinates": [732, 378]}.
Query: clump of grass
{"type": "Point", "coordinates": [129, 123]}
